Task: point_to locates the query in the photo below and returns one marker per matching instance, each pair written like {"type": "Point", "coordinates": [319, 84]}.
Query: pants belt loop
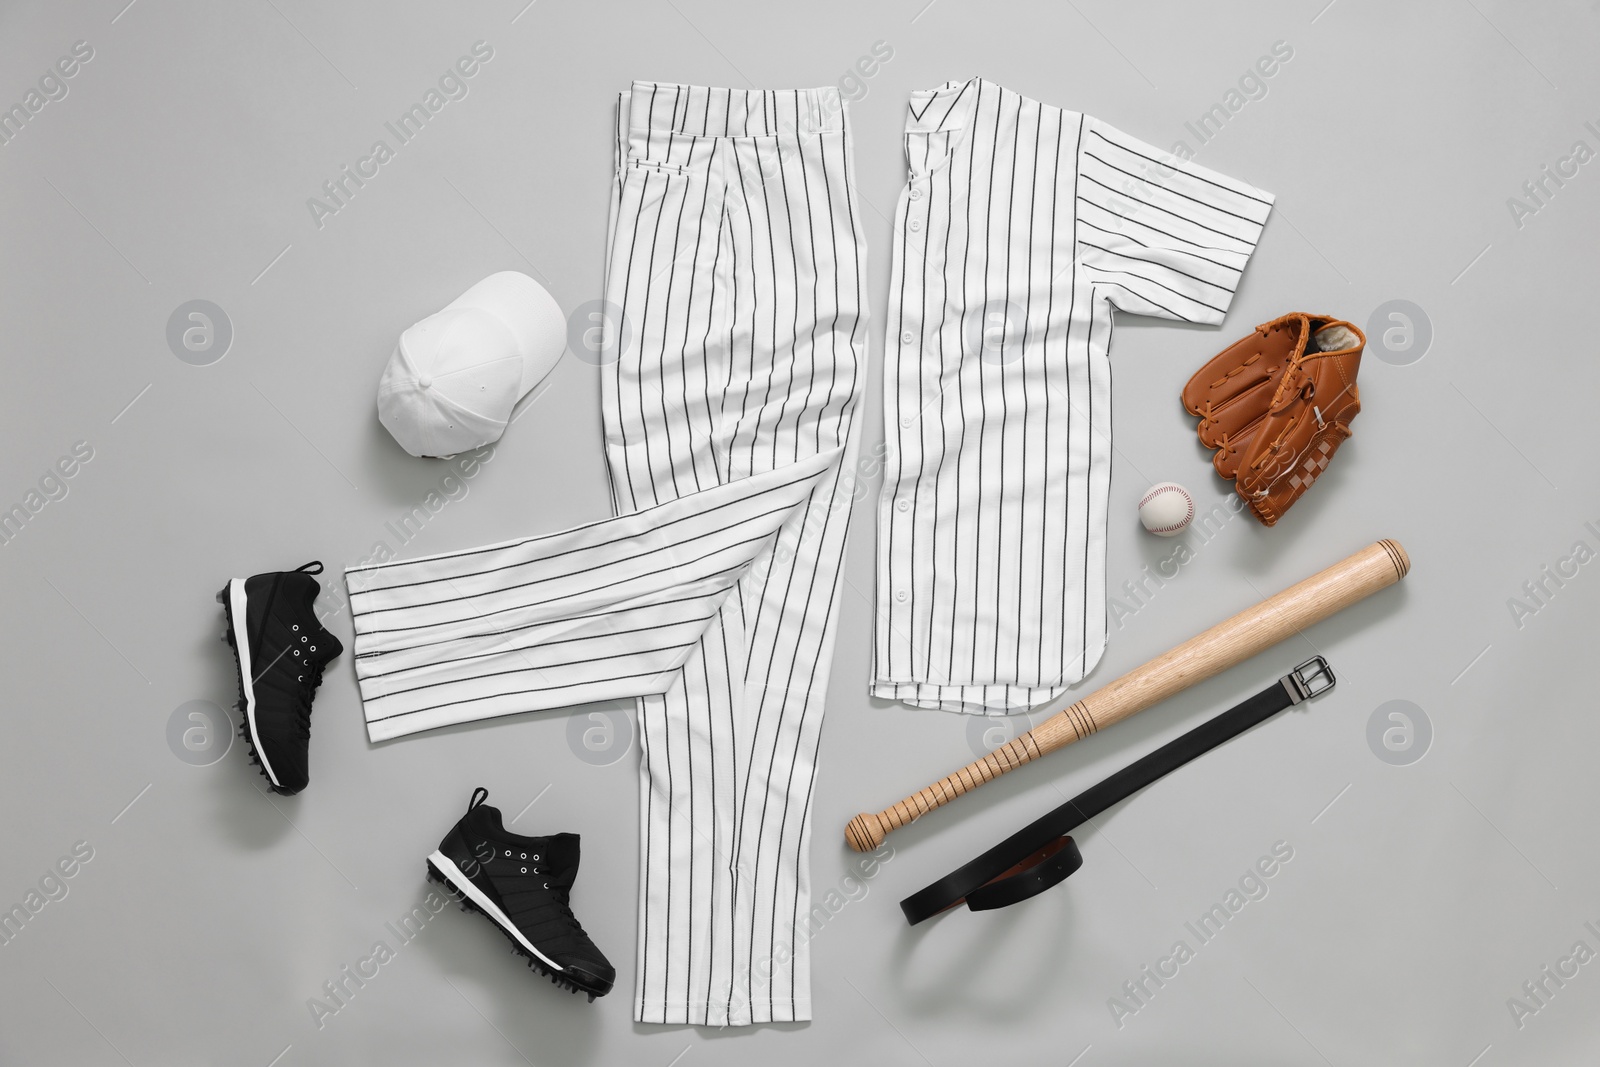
{"type": "Point", "coordinates": [829, 109]}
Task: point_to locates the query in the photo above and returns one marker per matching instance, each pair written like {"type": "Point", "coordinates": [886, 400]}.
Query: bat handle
{"type": "Point", "coordinates": [866, 832]}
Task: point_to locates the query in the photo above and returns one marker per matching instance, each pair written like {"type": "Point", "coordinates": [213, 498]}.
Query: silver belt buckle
{"type": "Point", "coordinates": [1312, 677]}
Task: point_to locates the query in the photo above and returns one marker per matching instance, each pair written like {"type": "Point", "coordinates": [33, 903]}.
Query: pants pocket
{"type": "Point", "coordinates": [648, 165]}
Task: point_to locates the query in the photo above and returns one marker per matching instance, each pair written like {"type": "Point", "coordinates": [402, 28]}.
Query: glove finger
{"type": "Point", "coordinates": [1229, 420]}
{"type": "Point", "coordinates": [1232, 449]}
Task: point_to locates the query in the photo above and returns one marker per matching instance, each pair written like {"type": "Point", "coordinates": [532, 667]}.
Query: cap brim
{"type": "Point", "coordinates": [530, 313]}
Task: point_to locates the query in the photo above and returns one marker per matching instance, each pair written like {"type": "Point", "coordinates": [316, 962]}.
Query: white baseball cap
{"type": "Point", "coordinates": [455, 376]}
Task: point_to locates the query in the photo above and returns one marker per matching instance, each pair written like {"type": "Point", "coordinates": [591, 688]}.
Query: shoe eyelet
{"type": "Point", "coordinates": [299, 678]}
{"type": "Point", "coordinates": [295, 627]}
{"type": "Point", "coordinates": [508, 852]}
{"type": "Point", "coordinates": [547, 885]}
{"type": "Point", "coordinates": [302, 639]}
{"type": "Point", "coordinates": [524, 870]}
{"type": "Point", "coordinates": [536, 857]}
{"type": "Point", "coordinates": [313, 648]}
{"type": "Point", "coordinates": [524, 855]}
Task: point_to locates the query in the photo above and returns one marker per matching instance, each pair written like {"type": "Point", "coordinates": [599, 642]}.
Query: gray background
{"type": "Point", "coordinates": [1420, 897]}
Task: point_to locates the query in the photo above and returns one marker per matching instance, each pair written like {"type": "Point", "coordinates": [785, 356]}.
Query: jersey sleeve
{"type": "Point", "coordinates": [1159, 235]}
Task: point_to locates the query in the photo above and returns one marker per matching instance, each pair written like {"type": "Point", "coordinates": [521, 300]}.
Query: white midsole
{"type": "Point", "coordinates": [239, 622]}
{"type": "Point", "coordinates": [447, 867]}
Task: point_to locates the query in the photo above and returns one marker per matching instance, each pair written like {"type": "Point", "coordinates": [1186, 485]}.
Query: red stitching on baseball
{"type": "Point", "coordinates": [1165, 489]}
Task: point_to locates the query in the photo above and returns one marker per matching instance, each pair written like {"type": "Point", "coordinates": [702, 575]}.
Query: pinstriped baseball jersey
{"type": "Point", "coordinates": [1021, 230]}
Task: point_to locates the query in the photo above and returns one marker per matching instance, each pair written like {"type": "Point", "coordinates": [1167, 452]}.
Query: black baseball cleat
{"type": "Point", "coordinates": [279, 649]}
{"type": "Point", "coordinates": [521, 884]}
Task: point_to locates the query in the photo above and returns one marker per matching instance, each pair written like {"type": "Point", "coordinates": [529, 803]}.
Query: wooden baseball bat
{"type": "Point", "coordinates": [1227, 643]}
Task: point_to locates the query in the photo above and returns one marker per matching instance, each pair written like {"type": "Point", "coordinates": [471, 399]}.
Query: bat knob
{"type": "Point", "coordinates": [865, 832]}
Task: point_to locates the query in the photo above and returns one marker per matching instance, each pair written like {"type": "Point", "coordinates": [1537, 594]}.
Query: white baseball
{"type": "Point", "coordinates": [1166, 509]}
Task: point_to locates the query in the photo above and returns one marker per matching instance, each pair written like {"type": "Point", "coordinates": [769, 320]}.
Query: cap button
{"type": "Point", "coordinates": [425, 382]}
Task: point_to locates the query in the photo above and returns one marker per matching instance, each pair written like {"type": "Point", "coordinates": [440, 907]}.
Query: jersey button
{"type": "Point", "coordinates": [904, 504]}
{"type": "Point", "coordinates": [915, 225]}
{"type": "Point", "coordinates": [916, 194]}
{"type": "Point", "coordinates": [908, 337]}
{"type": "Point", "coordinates": [902, 596]}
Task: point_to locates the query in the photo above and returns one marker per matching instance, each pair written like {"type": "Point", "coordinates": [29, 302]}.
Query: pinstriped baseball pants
{"type": "Point", "coordinates": [736, 262]}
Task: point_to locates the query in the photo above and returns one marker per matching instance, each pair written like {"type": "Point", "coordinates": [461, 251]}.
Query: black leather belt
{"type": "Point", "coordinates": [1041, 854]}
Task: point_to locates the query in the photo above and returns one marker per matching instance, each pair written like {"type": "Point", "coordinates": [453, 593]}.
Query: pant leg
{"type": "Point", "coordinates": [607, 610]}
{"type": "Point", "coordinates": [737, 266]}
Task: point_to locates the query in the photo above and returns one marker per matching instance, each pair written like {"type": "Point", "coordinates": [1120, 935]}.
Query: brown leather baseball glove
{"type": "Point", "coordinates": [1277, 404]}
